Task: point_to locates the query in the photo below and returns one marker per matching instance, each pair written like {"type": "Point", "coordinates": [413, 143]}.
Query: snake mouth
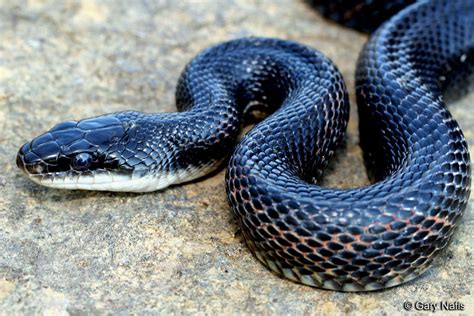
{"type": "Point", "coordinates": [102, 180]}
{"type": "Point", "coordinates": [97, 180]}
{"type": "Point", "coordinates": [105, 181]}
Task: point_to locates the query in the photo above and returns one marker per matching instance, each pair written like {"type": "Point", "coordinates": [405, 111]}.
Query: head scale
{"type": "Point", "coordinates": [86, 154]}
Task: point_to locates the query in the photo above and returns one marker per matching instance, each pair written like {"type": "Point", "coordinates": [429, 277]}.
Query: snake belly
{"type": "Point", "coordinates": [357, 239]}
{"type": "Point", "coordinates": [389, 232]}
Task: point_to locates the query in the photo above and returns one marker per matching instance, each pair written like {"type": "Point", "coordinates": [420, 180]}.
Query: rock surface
{"type": "Point", "coordinates": [72, 252]}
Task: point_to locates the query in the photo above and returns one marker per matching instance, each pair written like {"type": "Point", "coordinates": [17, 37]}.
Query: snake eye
{"type": "Point", "coordinates": [81, 161]}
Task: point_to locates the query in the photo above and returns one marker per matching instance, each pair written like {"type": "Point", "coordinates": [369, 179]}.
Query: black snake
{"type": "Point", "coordinates": [351, 240]}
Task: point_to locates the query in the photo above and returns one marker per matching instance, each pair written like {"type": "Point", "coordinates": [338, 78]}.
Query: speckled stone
{"type": "Point", "coordinates": [180, 250]}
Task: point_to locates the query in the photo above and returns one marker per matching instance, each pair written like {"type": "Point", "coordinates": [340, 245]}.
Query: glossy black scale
{"type": "Point", "coordinates": [389, 232]}
{"type": "Point", "coordinates": [358, 239]}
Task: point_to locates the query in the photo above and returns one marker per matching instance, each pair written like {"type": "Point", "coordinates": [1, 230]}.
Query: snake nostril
{"type": "Point", "coordinates": [28, 161]}
{"type": "Point", "coordinates": [36, 168]}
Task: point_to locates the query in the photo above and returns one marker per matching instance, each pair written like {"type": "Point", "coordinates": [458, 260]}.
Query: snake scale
{"type": "Point", "coordinates": [358, 239]}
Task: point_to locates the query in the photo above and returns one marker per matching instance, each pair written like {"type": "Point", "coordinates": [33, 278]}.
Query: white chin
{"type": "Point", "coordinates": [125, 183]}
{"type": "Point", "coordinates": [118, 183]}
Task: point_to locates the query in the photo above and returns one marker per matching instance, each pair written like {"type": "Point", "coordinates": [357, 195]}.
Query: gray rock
{"type": "Point", "coordinates": [71, 252]}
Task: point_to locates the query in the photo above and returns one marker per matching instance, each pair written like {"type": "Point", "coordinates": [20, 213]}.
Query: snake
{"type": "Point", "coordinates": [356, 239]}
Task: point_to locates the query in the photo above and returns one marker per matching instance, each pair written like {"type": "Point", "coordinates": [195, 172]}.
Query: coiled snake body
{"type": "Point", "coordinates": [351, 240]}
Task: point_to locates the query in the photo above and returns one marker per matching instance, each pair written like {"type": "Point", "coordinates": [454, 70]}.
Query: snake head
{"type": "Point", "coordinates": [88, 154]}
